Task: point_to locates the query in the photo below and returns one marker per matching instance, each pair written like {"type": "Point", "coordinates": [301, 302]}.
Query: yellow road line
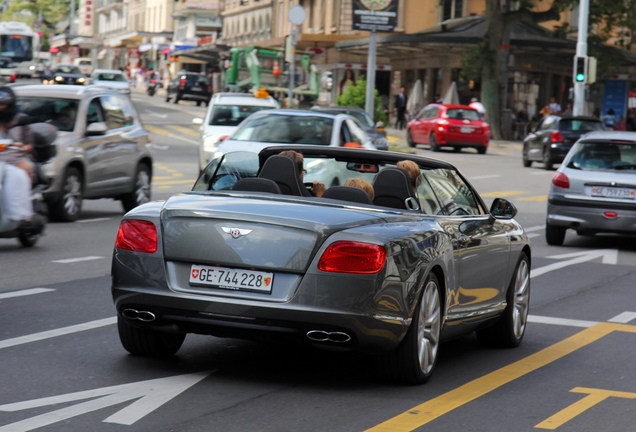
{"type": "Point", "coordinates": [437, 407]}
{"type": "Point", "coordinates": [537, 198]}
{"type": "Point", "coordinates": [504, 193]}
{"type": "Point", "coordinates": [185, 130]}
{"type": "Point", "coordinates": [156, 130]}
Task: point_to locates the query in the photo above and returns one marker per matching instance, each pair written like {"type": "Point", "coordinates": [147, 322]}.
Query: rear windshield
{"type": "Point", "coordinates": [56, 111]}
{"type": "Point", "coordinates": [583, 126]}
{"type": "Point", "coordinates": [110, 77]}
{"type": "Point", "coordinates": [196, 79]}
{"type": "Point", "coordinates": [463, 114]}
{"type": "Point", "coordinates": [603, 156]}
{"type": "Point", "coordinates": [286, 129]}
{"type": "Point", "coordinates": [232, 115]}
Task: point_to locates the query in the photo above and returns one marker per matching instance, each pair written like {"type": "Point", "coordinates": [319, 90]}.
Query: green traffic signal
{"type": "Point", "coordinates": [580, 77]}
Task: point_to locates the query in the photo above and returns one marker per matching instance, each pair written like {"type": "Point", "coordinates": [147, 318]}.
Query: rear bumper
{"type": "Point", "coordinates": [251, 320]}
{"type": "Point", "coordinates": [590, 216]}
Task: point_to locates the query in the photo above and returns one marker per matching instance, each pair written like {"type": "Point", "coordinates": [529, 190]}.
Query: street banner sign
{"type": "Point", "coordinates": [375, 15]}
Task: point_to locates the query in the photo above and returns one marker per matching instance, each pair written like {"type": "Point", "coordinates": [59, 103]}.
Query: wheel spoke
{"type": "Point", "coordinates": [521, 298]}
{"type": "Point", "coordinates": [429, 327]}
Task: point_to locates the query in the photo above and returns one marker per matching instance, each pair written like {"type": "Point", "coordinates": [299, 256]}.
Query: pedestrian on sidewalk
{"type": "Point", "coordinates": [400, 108]}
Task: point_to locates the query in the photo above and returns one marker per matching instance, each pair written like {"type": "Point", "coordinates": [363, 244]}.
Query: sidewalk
{"type": "Point", "coordinates": [399, 136]}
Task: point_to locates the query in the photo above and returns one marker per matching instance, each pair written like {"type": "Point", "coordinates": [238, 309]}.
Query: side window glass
{"type": "Point", "coordinates": [113, 112]}
{"type": "Point", "coordinates": [453, 193]}
{"type": "Point", "coordinates": [128, 109]}
{"type": "Point", "coordinates": [345, 135]}
{"type": "Point", "coordinates": [433, 113]}
{"type": "Point", "coordinates": [94, 112]}
{"type": "Point", "coordinates": [357, 134]}
{"type": "Point", "coordinates": [425, 194]}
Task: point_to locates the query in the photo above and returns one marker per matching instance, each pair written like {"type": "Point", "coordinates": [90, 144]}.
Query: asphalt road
{"type": "Point", "coordinates": [63, 368]}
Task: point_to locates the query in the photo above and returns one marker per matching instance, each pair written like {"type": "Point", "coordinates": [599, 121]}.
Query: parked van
{"type": "Point", "coordinates": [85, 65]}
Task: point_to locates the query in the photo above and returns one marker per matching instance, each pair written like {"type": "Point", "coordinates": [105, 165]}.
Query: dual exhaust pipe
{"type": "Point", "coordinates": [326, 336]}
{"type": "Point", "coordinates": [134, 314]}
{"type": "Point", "coordinates": [313, 335]}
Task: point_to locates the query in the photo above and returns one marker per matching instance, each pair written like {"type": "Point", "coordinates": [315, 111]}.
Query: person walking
{"type": "Point", "coordinates": [400, 108]}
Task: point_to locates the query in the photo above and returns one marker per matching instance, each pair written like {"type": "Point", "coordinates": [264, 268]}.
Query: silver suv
{"type": "Point", "coordinates": [103, 151]}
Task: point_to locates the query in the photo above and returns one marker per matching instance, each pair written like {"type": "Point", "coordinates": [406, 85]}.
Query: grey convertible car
{"type": "Point", "coordinates": [249, 253]}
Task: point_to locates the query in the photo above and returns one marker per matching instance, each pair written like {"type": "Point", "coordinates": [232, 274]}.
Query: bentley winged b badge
{"type": "Point", "coordinates": [236, 232]}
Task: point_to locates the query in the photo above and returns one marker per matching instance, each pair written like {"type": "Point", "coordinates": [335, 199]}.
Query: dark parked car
{"type": "Point", "coordinates": [103, 151]}
{"type": "Point", "coordinates": [553, 137]}
{"type": "Point", "coordinates": [247, 255]}
{"type": "Point", "coordinates": [594, 189]}
{"type": "Point", "coordinates": [189, 86]}
{"type": "Point", "coordinates": [67, 74]}
{"type": "Point", "coordinates": [451, 126]}
{"type": "Point", "coordinates": [376, 131]}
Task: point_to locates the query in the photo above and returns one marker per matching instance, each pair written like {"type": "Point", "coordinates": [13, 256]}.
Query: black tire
{"type": "Point", "coordinates": [526, 162]}
{"type": "Point", "coordinates": [433, 143]}
{"type": "Point", "coordinates": [167, 97]}
{"type": "Point", "coordinates": [198, 103]}
{"type": "Point", "coordinates": [176, 99]}
{"type": "Point", "coordinates": [409, 139]}
{"type": "Point", "coordinates": [554, 235]}
{"type": "Point", "coordinates": [28, 239]}
{"type": "Point", "coordinates": [547, 162]}
{"type": "Point", "coordinates": [147, 342]}
{"type": "Point", "coordinates": [414, 360]}
{"type": "Point", "coordinates": [482, 150]}
{"type": "Point", "coordinates": [508, 332]}
{"type": "Point", "coordinates": [140, 192]}
{"type": "Point", "coordinates": [69, 205]}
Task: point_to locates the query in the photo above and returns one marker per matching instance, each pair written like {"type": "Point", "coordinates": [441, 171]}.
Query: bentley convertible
{"type": "Point", "coordinates": [392, 271]}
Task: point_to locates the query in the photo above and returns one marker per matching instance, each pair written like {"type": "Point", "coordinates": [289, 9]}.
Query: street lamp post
{"type": "Point", "coordinates": [581, 52]}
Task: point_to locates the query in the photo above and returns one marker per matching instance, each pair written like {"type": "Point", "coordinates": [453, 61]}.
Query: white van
{"type": "Point", "coordinates": [85, 65]}
{"type": "Point", "coordinates": [225, 112]}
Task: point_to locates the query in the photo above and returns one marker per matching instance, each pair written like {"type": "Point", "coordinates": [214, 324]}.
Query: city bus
{"type": "Point", "coordinates": [18, 41]}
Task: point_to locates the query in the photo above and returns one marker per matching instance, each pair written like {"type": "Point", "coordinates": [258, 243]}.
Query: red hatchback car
{"type": "Point", "coordinates": [455, 126]}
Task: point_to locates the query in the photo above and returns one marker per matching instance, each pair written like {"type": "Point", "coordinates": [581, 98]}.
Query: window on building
{"type": "Point", "coordinates": [452, 9]}
{"type": "Point", "coordinates": [335, 17]}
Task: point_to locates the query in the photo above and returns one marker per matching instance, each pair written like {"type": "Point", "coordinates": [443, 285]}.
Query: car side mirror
{"type": "Point", "coordinates": [97, 128]}
{"type": "Point", "coordinates": [502, 209]}
{"type": "Point", "coordinates": [197, 121]}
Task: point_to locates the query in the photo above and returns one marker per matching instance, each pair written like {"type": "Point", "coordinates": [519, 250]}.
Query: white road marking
{"type": "Point", "coordinates": [624, 317]}
{"type": "Point", "coordinates": [151, 395]}
{"type": "Point", "coordinates": [609, 256]}
{"type": "Point", "coordinates": [533, 235]}
{"type": "Point", "coordinates": [93, 220]}
{"type": "Point", "coordinates": [25, 292]}
{"type": "Point", "coordinates": [534, 228]}
{"type": "Point", "coordinates": [58, 332]}
{"type": "Point", "coordinates": [74, 260]}
{"type": "Point", "coordinates": [485, 177]}
{"type": "Point", "coordinates": [560, 321]}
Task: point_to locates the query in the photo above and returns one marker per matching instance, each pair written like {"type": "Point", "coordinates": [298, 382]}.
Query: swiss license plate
{"type": "Point", "coordinates": [236, 279]}
{"type": "Point", "coordinates": [466, 130]}
{"type": "Point", "coordinates": [612, 192]}
{"type": "Point", "coordinates": [196, 89]}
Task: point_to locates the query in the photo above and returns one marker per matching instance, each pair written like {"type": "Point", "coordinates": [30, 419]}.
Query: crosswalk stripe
{"type": "Point", "coordinates": [185, 130]}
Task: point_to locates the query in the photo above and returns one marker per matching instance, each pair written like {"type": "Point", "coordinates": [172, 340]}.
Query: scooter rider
{"type": "Point", "coordinates": [19, 174]}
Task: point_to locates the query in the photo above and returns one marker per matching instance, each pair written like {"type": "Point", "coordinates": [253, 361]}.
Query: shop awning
{"type": "Point", "coordinates": [208, 53]}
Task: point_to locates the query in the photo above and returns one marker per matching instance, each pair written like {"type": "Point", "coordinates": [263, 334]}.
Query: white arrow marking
{"type": "Point", "coordinates": [25, 292]}
{"type": "Point", "coordinates": [609, 256]}
{"type": "Point", "coordinates": [151, 394]}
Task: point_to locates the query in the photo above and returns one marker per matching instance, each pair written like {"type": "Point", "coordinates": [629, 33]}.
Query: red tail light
{"type": "Point", "coordinates": [352, 257]}
{"type": "Point", "coordinates": [182, 83]}
{"type": "Point", "coordinates": [137, 236]}
{"type": "Point", "coordinates": [153, 81]}
{"type": "Point", "coordinates": [556, 137]}
{"type": "Point", "coordinates": [561, 180]}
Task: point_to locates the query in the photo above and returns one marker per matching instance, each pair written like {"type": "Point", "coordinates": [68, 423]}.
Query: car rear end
{"type": "Point", "coordinates": [462, 127]}
{"type": "Point", "coordinates": [194, 87]}
{"type": "Point", "coordinates": [594, 189]}
{"type": "Point", "coordinates": [568, 132]}
{"type": "Point", "coordinates": [243, 265]}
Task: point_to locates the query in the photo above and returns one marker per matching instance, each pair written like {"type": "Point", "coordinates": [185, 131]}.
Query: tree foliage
{"type": "Point", "coordinates": [356, 96]}
{"type": "Point", "coordinates": [53, 12]}
{"type": "Point", "coordinates": [609, 20]}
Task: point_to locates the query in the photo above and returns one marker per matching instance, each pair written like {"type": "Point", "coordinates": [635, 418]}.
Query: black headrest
{"type": "Point", "coordinates": [282, 170]}
{"type": "Point", "coordinates": [393, 189]}
{"type": "Point", "coordinates": [257, 185]}
{"type": "Point", "coordinates": [348, 193]}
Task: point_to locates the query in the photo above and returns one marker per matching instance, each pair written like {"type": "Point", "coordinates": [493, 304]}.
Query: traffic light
{"type": "Point", "coordinates": [580, 69]}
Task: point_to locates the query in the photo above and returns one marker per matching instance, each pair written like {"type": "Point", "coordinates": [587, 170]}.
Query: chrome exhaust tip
{"type": "Point", "coordinates": [325, 336]}
{"type": "Point", "coordinates": [134, 314]}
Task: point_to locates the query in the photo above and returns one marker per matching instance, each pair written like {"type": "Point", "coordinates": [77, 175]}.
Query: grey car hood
{"type": "Point", "coordinates": [250, 232]}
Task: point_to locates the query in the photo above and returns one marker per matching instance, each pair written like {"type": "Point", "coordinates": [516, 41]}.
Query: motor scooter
{"type": "Point", "coordinates": [44, 149]}
{"type": "Point", "coordinates": [152, 87]}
